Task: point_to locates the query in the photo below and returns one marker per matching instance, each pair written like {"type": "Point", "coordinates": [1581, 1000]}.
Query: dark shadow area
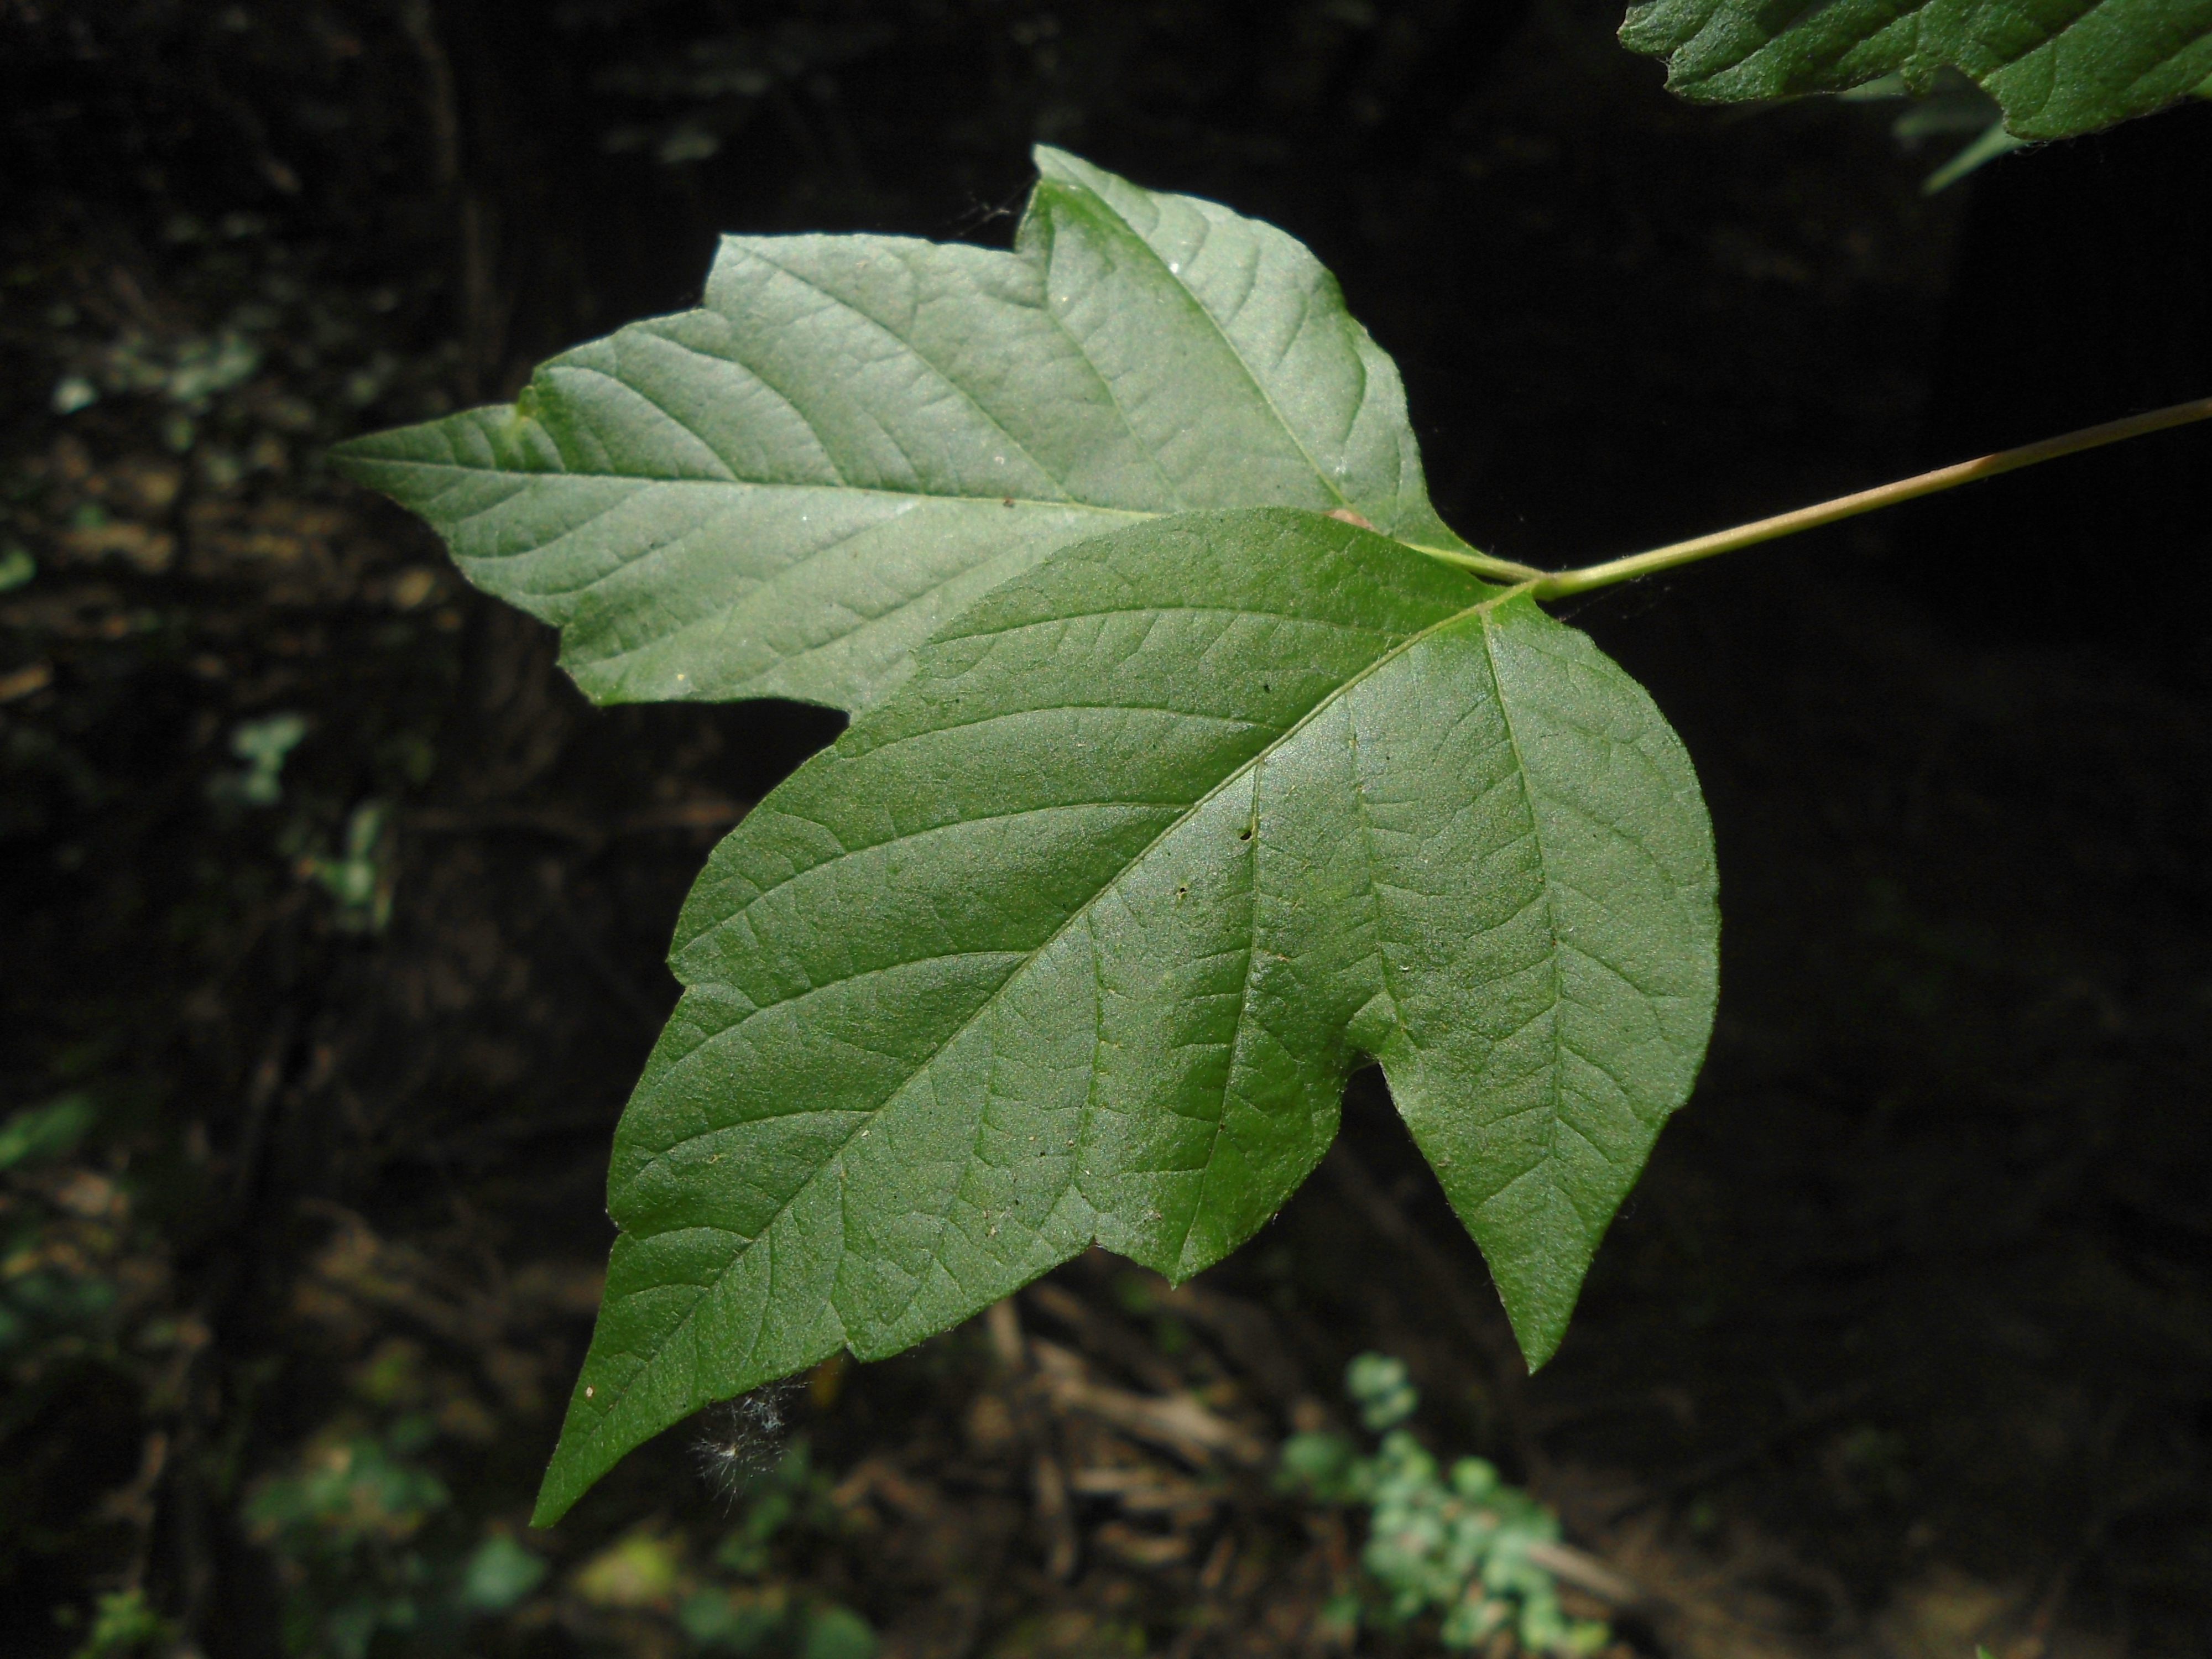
{"type": "Point", "coordinates": [334, 918]}
{"type": "Point", "coordinates": [2079, 290]}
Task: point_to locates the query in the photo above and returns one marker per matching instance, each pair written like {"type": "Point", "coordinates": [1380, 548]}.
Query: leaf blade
{"type": "Point", "coordinates": [1640, 855]}
{"type": "Point", "coordinates": [2057, 71]}
{"type": "Point", "coordinates": [1076, 937]}
{"type": "Point", "coordinates": [783, 492]}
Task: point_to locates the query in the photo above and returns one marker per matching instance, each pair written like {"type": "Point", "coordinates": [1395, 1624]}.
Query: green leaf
{"type": "Point", "coordinates": [2057, 67]}
{"type": "Point", "coordinates": [46, 1131]}
{"type": "Point", "coordinates": [784, 492]}
{"type": "Point", "coordinates": [500, 1574]}
{"type": "Point", "coordinates": [1078, 936]}
{"type": "Point", "coordinates": [836, 1632]}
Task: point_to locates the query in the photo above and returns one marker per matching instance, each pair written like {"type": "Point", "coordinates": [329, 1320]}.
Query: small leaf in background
{"type": "Point", "coordinates": [72, 393]}
{"type": "Point", "coordinates": [2056, 70]}
{"type": "Point", "coordinates": [342, 1525]}
{"type": "Point", "coordinates": [734, 1620]}
{"type": "Point", "coordinates": [1384, 1393]}
{"type": "Point", "coordinates": [264, 745]}
{"type": "Point", "coordinates": [1078, 937]}
{"type": "Point", "coordinates": [782, 493]}
{"type": "Point", "coordinates": [1951, 106]}
{"type": "Point", "coordinates": [359, 878]}
{"type": "Point", "coordinates": [1320, 1464]}
{"type": "Point", "coordinates": [835, 1632]}
{"type": "Point", "coordinates": [17, 568]}
{"type": "Point", "coordinates": [346, 1493]}
{"type": "Point", "coordinates": [1992, 141]}
{"type": "Point", "coordinates": [123, 1622]}
{"type": "Point", "coordinates": [500, 1574]}
{"type": "Point", "coordinates": [46, 1131]}
{"type": "Point", "coordinates": [639, 1571]}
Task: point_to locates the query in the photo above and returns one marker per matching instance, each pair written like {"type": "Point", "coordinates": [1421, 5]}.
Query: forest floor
{"type": "Point", "coordinates": [335, 917]}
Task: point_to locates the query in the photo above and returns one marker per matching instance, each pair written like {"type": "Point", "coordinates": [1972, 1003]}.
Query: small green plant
{"type": "Point", "coordinates": [1454, 1543]}
{"type": "Point", "coordinates": [123, 1622]}
{"type": "Point", "coordinates": [265, 745]}
{"type": "Point", "coordinates": [789, 1494]}
{"type": "Point", "coordinates": [359, 879]}
{"type": "Point", "coordinates": [753, 1616]}
{"type": "Point", "coordinates": [365, 1538]}
{"type": "Point", "coordinates": [735, 1602]}
{"type": "Point", "coordinates": [1194, 761]}
{"type": "Point", "coordinates": [343, 1527]}
{"type": "Point", "coordinates": [54, 1296]}
{"type": "Point", "coordinates": [46, 1131]}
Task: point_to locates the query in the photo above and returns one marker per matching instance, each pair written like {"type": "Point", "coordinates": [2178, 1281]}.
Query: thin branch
{"type": "Point", "coordinates": [1562, 583]}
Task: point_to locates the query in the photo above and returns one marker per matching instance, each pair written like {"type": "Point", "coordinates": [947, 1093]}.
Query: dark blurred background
{"type": "Point", "coordinates": [332, 918]}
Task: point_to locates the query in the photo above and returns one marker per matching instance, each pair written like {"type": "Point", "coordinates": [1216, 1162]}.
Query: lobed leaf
{"type": "Point", "coordinates": [783, 492]}
{"type": "Point", "coordinates": [2056, 67]}
{"type": "Point", "coordinates": [1078, 936]}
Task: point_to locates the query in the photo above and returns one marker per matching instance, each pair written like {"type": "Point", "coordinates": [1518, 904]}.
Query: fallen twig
{"type": "Point", "coordinates": [1175, 1423]}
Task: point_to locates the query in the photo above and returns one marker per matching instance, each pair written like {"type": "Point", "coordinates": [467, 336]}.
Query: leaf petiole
{"type": "Point", "coordinates": [1559, 584]}
{"type": "Point", "coordinates": [1483, 564]}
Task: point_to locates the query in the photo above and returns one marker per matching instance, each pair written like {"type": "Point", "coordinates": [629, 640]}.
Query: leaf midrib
{"type": "Point", "coordinates": [1551, 909]}
{"type": "Point", "coordinates": [652, 480]}
{"type": "Point", "coordinates": [646, 480]}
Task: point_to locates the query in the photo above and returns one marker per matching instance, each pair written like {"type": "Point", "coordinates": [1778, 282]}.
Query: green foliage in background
{"type": "Point", "coordinates": [123, 1622]}
{"type": "Point", "coordinates": [1077, 936]}
{"type": "Point", "coordinates": [2056, 67]}
{"type": "Point", "coordinates": [1455, 1543]}
{"type": "Point", "coordinates": [359, 879]}
{"type": "Point", "coordinates": [76, 1290]}
{"type": "Point", "coordinates": [59, 1239]}
{"type": "Point", "coordinates": [263, 745]}
{"type": "Point", "coordinates": [374, 1554]}
{"type": "Point", "coordinates": [366, 1537]}
{"type": "Point", "coordinates": [751, 1616]}
{"type": "Point", "coordinates": [46, 1131]}
{"type": "Point", "coordinates": [343, 1527]}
